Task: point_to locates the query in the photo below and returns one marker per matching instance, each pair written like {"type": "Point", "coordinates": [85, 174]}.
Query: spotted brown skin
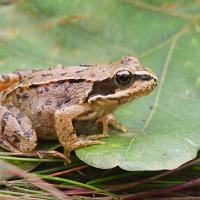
{"type": "Point", "coordinates": [45, 104]}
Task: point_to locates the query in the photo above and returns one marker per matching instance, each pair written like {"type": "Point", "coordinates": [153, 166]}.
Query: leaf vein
{"type": "Point", "coordinates": [157, 9]}
{"type": "Point", "coordinates": [164, 72]}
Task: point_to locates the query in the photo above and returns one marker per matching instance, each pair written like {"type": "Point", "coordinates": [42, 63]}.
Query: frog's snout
{"type": "Point", "coordinates": [154, 81]}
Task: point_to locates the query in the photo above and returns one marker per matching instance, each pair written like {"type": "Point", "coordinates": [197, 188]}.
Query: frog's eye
{"type": "Point", "coordinates": [123, 78]}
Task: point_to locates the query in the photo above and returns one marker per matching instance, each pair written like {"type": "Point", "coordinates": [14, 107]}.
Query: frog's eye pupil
{"type": "Point", "coordinates": [123, 78]}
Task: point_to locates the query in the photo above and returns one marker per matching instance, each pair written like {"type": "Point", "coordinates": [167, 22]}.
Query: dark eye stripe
{"type": "Point", "coordinates": [103, 87]}
{"type": "Point", "coordinates": [144, 77]}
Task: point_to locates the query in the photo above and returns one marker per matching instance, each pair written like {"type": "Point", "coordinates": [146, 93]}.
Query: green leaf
{"type": "Point", "coordinates": [164, 128]}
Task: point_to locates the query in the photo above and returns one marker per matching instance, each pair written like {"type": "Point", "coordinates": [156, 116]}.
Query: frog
{"type": "Point", "coordinates": [44, 104]}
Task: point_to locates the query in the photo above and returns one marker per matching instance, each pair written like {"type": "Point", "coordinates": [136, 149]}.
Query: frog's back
{"type": "Point", "coordinates": [11, 82]}
{"type": "Point", "coordinates": [9, 79]}
{"type": "Point", "coordinates": [88, 73]}
{"type": "Point", "coordinates": [54, 74]}
{"type": "Point", "coordinates": [81, 72]}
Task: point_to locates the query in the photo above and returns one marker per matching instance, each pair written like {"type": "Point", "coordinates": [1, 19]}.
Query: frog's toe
{"type": "Point", "coordinates": [98, 136]}
{"type": "Point", "coordinates": [92, 141]}
{"type": "Point", "coordinates": [52, 153]}
{"type": "Point", "coordinates": [82, 142]}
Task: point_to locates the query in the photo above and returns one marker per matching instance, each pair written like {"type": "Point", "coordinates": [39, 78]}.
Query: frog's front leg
{"type": "Point", "coordinates": [65, 131]}
{"type": "Point", "coordinates": [17, 134]}
{"type": "Point", "coordinates": [106, 121]}
{"type": "Point", "coordinates": [110, 120]}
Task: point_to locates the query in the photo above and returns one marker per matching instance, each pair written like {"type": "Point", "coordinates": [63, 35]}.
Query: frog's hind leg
{"type": "Point", "coordinates": [6, 80]}
{"type": "Point", "coordinates": [17, 134]}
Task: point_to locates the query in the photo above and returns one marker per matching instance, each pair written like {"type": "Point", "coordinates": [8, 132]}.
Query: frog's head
{"type": "Point", "coordinates": [124, 81]}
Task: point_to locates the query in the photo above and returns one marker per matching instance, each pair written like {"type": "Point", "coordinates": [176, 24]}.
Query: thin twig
{"type": "Point", "coordinates": [69, 170]}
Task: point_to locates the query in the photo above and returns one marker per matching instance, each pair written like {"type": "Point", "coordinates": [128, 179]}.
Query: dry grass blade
{"type": "Point", "coordinates": [6, 197]}
{"type": "Point", "coordinates": [167, 190]}
{"type": "Point", "coordinates": [11, 169]}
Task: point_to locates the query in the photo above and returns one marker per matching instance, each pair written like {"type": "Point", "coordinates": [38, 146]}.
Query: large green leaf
{"type": "Point", "coordinates": [164, 128]}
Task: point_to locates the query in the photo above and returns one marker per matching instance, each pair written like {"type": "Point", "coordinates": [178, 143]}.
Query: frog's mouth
{"type": "Point", "coordinates": [140, 88]}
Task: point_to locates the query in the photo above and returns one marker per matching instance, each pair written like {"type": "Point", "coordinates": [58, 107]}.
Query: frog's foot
{"type": "Point", "coordinates": [40, 153]}
{"type": "Point", "coordinates": [52, 153]}
{"type": "Point", "coordinates": [82, 142]}
{"type": "Point", "coordinates": [79, 142]}
{"type": "Point", "coordinates": [110, 120]}
{"type": "Point", "coordinates": [8, 146]}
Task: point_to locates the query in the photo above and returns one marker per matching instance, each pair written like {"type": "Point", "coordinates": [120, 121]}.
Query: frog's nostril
{"type": "Point", "coordinates": [155, 83]}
